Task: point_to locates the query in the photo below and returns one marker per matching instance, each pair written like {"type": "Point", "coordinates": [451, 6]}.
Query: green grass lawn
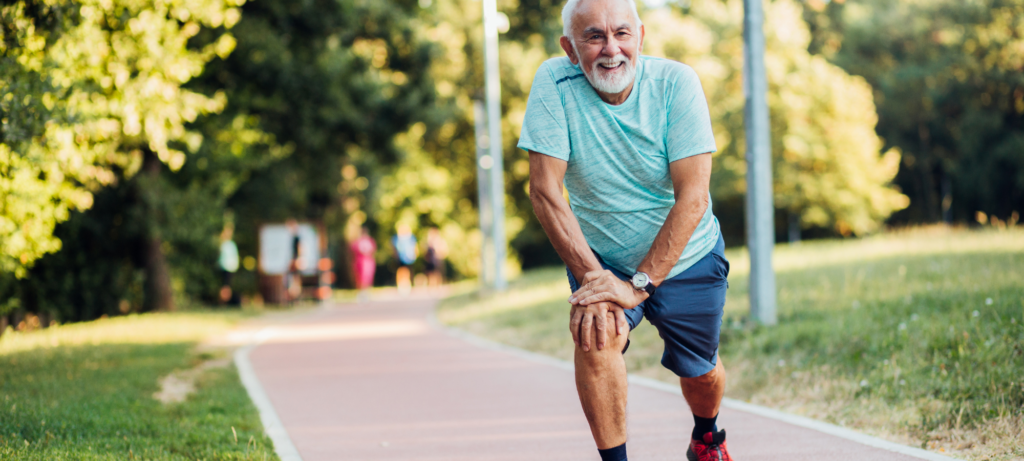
{"type": "Point", "coordinates": [916, 336]}
{"type": "Point", "coordinates": [85, 392]}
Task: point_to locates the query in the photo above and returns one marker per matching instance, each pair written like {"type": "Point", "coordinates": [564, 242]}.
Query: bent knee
{"type": "Point", "coordinates": [709, 378]}
{"type": "Point", "coordinates": [613, 348]}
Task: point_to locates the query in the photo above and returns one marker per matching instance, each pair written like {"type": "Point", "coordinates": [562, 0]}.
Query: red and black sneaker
{"type": "Point", "coordinates": [711, 448]}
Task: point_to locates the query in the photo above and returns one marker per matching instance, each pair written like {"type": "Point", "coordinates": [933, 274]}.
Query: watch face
{"type": "Point", "coordinates": [640, 280]}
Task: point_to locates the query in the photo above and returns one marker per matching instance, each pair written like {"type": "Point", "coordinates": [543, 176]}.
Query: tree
{"type": "Point", "coordinates": [110, 103]}
{"type": "Point", "coordinates": [830, 171]}
{"type": "Point", "coordinates": [37, 187]}
{"type": "Point", "coordinates": [950, 91]}
{"type": "Point", "coordinates": [333, 81]}
{"type": "Point", "coordinates": [312, 90]}
{"type": "Point", "coordinates": [111, 84]}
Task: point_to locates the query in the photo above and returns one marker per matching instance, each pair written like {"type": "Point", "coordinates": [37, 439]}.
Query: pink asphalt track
{"type": "Point", "coordinates": [378, 381]}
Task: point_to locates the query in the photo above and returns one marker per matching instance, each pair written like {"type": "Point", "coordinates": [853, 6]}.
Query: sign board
{"type": "Point", "coordinates": [277, 243]}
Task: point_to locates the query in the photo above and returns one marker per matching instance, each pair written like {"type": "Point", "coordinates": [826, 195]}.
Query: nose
{"type": "Point", "coordinates": [612, 46]}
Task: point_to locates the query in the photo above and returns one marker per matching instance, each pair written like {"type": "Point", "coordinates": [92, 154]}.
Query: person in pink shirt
{"type": "Point", "coordinates": [363, 261]}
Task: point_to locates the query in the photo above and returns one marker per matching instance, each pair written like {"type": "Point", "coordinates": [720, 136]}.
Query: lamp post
{"type": "Point", "coordinates": [492, 91]}
{"type": "Point", "coordinates": [484, 164]}
{"type": "Point", "coordinates": [760, 208]}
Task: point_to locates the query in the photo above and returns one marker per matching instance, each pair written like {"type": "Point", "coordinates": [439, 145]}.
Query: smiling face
{"type": "Point", "coordinates": [606, 42]}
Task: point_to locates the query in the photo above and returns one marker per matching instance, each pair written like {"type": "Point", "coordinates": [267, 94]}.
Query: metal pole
{"type": "Point", "coordinates": [483, 185]}
{"type": "Point", "coordinates": [760, 207]}
{"type": "Point", "coordinates": [493, 92]}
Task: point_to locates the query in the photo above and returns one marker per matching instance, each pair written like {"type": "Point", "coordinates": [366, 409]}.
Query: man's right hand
{"type": "Point", "coordinates": [583, 320]}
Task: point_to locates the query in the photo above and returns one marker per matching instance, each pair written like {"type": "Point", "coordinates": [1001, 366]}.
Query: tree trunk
{"type": "Point", "coordinates": [343, 269]}
{"type": "Point", "coordinates": [158, 296]}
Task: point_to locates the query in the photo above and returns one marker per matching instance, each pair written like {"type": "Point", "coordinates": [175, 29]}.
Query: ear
{"type": "Point", "coordinates": [567, 47]}
{"type": "Point", "coordinates": [643, 32]}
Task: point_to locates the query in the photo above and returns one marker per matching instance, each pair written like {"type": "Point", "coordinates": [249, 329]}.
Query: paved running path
{"type": "Point", "coordinates": [377, 382]}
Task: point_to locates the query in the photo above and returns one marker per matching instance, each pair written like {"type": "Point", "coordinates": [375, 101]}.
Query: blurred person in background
{"type": "Point", "coordinates": [363, 263]}
{"type": "Point", "coordinates": [228, 264]}
{"type": "Point", "coordinates": [293, 279]}
{"type": "Point", "coordinates": [406, 252]}
{"type": "Point", "coordinates": [437, 252]}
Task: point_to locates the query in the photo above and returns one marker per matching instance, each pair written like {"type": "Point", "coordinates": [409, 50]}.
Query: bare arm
{"type": "Point", "coordinates": [563, 230]}
{"type": "Point", "coordinates": [691, 178]}
{"type": "Point", "coordinates": [555, 216]}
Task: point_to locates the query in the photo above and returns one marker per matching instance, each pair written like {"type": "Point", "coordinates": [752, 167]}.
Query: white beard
{"type": "Point", "coordinates": [611, 84]}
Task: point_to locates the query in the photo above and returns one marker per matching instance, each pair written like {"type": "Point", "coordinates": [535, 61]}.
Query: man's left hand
{"type": "Point", "coordinates": [604, 286]}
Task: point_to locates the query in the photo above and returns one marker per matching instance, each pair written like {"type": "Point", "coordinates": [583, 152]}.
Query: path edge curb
{"type": "Point", "coordinates": [272, 425]}
{"type": "Point", "coordinates": [733, 404]}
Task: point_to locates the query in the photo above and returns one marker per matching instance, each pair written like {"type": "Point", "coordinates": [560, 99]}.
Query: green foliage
{"type": "Point", "coordinates": [349, 113]}
{"type": "Point", "coordinates": [110, 89]}
{"type": "Point", "coordinates": [828, 165]}
{"type": "Point", "coordinates": [333, 82]}
{"type": "Point", "coordinates": [37, 189]}
{"type": "Point", "coordinates": [420, 194]}
{"type": "Point", "coordinates": [309, 85]}
{"type": "Point", "coordinates": [432, 182]}
{"type": "Point", "coordinates": [950, 92]}
{"type": "Point", "coordinates": [93, 274]}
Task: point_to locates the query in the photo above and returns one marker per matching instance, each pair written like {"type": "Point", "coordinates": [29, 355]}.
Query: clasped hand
{"type": "Point", "coordinates": [601, 293]}
{"type": "Point", "coordinates": [604, 286]}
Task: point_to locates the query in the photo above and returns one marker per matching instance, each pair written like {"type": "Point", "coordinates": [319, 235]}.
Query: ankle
{"type": "Point", "coordinates": [702, 426]}
{"type": "Point", "coordinates": [613, 454]}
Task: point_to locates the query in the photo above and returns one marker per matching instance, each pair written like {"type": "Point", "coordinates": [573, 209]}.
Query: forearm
{"type": "Point", "coordinates": [671, 240]}
{"type": "Point", "coordinates": [691, 178]}
{"type": "Point", "coordinates": [563, 230]}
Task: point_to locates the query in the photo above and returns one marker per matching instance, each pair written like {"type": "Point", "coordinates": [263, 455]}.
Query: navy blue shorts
{"type": "Point", "coordinates": [687, 311]}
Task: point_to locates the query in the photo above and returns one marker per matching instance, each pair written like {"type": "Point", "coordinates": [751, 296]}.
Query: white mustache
{"type": "Point", "coordinates": [612, 61]}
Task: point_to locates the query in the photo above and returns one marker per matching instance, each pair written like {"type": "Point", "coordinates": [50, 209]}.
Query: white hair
{"type": "Point", "coordinates": [570, 8]}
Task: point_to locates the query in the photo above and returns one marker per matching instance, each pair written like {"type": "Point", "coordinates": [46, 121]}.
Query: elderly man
{"type": "Point", "coordinates": [630, 137]}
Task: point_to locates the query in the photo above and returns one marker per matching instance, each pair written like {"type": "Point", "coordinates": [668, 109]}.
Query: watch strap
{"type": "Point", "coordinates": [650, 288]}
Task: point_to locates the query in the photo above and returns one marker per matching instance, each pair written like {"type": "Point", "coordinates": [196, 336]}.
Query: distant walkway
{"type": "Point", "coordinates": [377, 381]}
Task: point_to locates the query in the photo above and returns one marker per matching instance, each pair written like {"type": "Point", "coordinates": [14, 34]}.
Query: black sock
{"type": "Point", "coordinates": [613, 454]}
{"type": "Point", "coordinates": [702, 426]}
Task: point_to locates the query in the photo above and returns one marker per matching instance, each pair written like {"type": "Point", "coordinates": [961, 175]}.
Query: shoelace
{"type": "Point", "coordinates": [715, 450]}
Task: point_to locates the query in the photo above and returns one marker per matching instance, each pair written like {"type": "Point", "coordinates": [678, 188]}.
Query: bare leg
{"type": "Point", "coordinates": [601, 383]}
{"type": "Point", "coordinates": [295, 288]}
{"type": "Point", "coordinates": [704, 393]}
{"type": "Point", "coordinates": [403, 278]}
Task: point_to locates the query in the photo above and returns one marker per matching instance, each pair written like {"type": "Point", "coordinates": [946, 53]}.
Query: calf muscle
{"type": "Point", "coordinates": [602, 387]}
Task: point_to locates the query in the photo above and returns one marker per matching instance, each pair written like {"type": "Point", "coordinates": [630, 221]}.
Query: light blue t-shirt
{"type": "Point", "coordinates": [228, 259]}
{"type": "Point", "coordinates": [405, 246]}
{"type": "Point", "coordinates": [618, 179]}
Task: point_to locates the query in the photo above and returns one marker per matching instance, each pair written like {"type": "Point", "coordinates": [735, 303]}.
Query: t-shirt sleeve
{"type": "Point", "coordinates": [689, 130]}
{"type": "Point", "coordinates": [544, 127]}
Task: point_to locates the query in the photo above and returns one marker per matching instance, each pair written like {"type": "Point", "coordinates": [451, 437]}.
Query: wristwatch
{"type": "Point", "coordinates": [642, 282]}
